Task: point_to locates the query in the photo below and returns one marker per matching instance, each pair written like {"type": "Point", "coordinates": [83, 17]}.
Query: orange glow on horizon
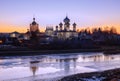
{"type": "Point", "coordinates": [7, 28]}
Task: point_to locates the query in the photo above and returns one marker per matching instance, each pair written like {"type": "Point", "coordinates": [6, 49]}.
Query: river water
{"type": "Point", "coordinates": [52, 67]}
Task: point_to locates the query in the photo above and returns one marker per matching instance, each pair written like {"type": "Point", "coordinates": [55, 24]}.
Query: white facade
{"type": "Point", "coordinates": [49, 31]}
{"type": "Point", "coordinates": [63, 30]}
{"type": "Point", "coordinates": [66, 33]}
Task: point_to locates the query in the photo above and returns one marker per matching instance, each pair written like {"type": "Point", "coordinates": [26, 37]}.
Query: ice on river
{"type": "Point", "coordinates": [49, 67]}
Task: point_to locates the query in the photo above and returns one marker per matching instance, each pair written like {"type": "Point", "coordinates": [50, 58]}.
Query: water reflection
{"type": "Point", "coordinates": [56, 65]}
{"type": "Point", "coordinates": [67, 63]}
{"type": "Point", "coordinates": [64, 64]}
{"type": "Point", "coordinates": [99, 58]}
{"type": "Point", "coordinates": [34, 66]}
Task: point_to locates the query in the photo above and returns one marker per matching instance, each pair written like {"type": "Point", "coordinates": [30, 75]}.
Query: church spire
{"type": "Point", "coordinates": [33, 17]}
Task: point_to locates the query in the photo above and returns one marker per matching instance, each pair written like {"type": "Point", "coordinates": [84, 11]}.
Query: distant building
{"type": "Point", "coordinates": [49, 31]}
{"type": "Point", "coordinates": [34, 27]}
{"type": "Point", "coordinates": [15, 34]}
{"type": "Point", "coordinates": [63, 32]}
{"type": "Point", "coordinates": [27, 35]}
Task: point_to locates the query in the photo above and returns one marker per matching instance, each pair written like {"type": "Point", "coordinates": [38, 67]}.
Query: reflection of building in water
{"type": "Point", "coordinates": [67, 63]}
{"type": "Point", "coordinates": [74, 62]}
{"type": "Point", "coordinates": [1, 60]}
{"type": "Point", "coordinates": [107, 58]}
{"type": "Point", "coordinates": [98, 58]}
{"type": "Point", "coordinates": [34, 65]}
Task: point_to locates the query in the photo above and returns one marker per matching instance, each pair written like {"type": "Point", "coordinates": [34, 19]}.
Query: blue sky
{"type": "Point", "coordinates": [85, 13]}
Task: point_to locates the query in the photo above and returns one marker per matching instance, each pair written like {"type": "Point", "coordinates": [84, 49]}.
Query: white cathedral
{"type": "Point", "coordinates": [63, 30]}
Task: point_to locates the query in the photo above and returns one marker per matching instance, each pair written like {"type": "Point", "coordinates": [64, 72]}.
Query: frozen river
{"type": "Point", "coordinates": [48, 67]}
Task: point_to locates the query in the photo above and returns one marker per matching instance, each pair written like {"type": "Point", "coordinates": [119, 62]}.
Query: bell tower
{"type": "Point", "coordinates": [34, 27]}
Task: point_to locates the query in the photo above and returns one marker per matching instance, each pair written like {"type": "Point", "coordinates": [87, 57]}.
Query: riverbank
{"type": "Point", "coordinates": [108, 75]}
{"type": "Point", "coordinates": [26, 52]}
{"type": "Point", "coordinates": [41, 52]}
{"type": "Point", "coordinates": [22, 51]}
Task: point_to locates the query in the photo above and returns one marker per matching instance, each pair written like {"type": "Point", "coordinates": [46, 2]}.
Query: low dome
{"type": "Point", "coordinates": [34, 23]}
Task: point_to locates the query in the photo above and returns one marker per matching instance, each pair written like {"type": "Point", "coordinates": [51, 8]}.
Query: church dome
{"type": "Point", "coordinates": [66, 19]}
{"type": "Point", "coordinates": [74, 24]}
{"type": "Point", "coordinates": [34, 23]}
{"type": "Point", "coordinates": [60, 24]}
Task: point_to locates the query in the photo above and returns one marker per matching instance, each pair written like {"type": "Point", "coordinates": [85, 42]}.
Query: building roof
{"type": "Point", "coordinates": [15, 32]}
{"type": "Point", "coordinates": [60, 23]}
{"type": "Point", "coordinates": [34, 23]}
{"type": "Point", "coordinates": [74, 23]}
{"type": "Point", "coordinates": [66, 19]}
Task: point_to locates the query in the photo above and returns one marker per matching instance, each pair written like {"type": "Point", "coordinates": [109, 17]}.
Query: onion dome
{"type": "Point", "coordinates": [66, 19]}
{"type": "Point", "coordinates": [74, 24]}
{"type": "Point", "coordinates": [56, 26]}
{"type": "Point", "coordinates": [61, 24]}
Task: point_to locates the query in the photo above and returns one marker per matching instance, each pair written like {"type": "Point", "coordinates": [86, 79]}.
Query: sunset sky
{"type": "Point", "coordinates": [16, 15]}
